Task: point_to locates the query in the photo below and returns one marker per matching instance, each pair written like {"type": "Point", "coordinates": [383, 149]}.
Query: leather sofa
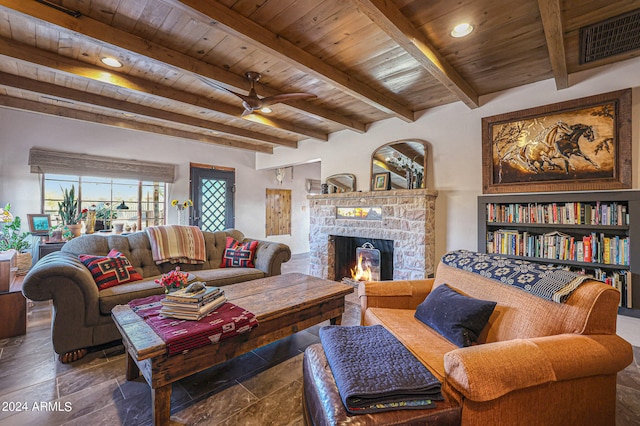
{"type": "Point", "coordinates": [82, 313]}
{"type": "Point", "coordinates": [537, 362]}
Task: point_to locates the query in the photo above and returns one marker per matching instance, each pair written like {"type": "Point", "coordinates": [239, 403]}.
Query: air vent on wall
{"type": "Point", "coordinates": [613, 36]}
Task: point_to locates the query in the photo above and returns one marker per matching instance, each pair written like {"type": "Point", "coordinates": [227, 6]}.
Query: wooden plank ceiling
{"type": "Point", "coordinates": [364, 60]}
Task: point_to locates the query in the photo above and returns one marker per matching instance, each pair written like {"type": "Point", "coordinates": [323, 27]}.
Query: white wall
{"type": "Point", "coordinates": [254, 198]}
{"type": "Point", "coordinates": [454, 132]}
{"type": "Point", "coordinates": [22, 130]}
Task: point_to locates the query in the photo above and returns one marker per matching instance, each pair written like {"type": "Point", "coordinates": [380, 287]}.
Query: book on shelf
{"type": "Point", "coordinates": [629, 290]}
{"type": "Point", "coordinates": [590, 248]}
{"type": "Point", "coordinates": [620, 280]}
{"type": "Point", "coordinates": [569, 213]}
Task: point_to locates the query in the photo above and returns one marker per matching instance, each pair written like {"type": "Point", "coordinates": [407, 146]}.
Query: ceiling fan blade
{"type": "Point", "coordinates": [247, 112]}
{"type": "Point", "coordinates": [283, 97]}
{"type": "Point", "coordinates": [217, 86]}
{"type": "Point", "coordinates": [250, 107]}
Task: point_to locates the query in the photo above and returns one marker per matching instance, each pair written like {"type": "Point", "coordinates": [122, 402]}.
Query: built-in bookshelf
{"type": "Point", "coordinates": [596, 233]}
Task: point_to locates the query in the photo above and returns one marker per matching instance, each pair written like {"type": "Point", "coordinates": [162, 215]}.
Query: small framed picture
{"type": "Point", "coordinates": [382, 181]}
{"type": "Point", "coordinates": [39, 223]}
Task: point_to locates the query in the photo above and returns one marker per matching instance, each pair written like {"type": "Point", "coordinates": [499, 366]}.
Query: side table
{"type": "Point", "coordinates": [13, 305]}
{"type": "Point", "coordinates": [8, 269]}
{"type": "Point", "coordinates": [46, 248]}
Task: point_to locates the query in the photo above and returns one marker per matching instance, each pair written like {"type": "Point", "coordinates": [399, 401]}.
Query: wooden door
{"type": "Point", "coordinates": [278, 220]}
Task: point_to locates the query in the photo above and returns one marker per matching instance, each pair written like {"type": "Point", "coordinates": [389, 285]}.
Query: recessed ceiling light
{"type": "Point", "coordinates": [112, 62]}
{"type": "Point", "coordinates": [461, 30]}
{"type": "Point", "coordinates": [266, 110]}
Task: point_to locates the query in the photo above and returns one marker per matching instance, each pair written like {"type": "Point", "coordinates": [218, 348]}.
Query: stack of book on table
{"type": "Point", "coordinates": [183, 304]}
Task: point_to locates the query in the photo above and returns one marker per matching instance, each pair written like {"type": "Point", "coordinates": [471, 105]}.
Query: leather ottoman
{"type": "Point", "coordinates": [323, 406]}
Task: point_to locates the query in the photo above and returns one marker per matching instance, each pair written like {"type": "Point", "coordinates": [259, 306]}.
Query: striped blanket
{"type": "Point", "coordinates": [177, 244]}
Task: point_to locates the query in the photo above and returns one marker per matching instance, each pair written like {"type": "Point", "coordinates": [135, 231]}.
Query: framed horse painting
{"type": "Point", "coordinates": [578, 145]}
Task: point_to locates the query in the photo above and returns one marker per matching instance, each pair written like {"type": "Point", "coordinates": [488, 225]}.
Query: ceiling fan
{"type": "Point", "coordinates": [252, 102]}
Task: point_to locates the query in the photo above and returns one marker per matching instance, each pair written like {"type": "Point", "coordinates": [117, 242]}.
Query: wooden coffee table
{"type": "Point", "coordinates": [283, 305]}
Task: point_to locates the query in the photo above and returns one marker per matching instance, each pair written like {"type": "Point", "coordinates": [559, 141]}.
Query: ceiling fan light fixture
{"type": "Point", "coordinates": [461, 30]}
{"type": "Point", "coordinates": [112, 62]}
{"type": "Point", "coordinates": [252, 102]}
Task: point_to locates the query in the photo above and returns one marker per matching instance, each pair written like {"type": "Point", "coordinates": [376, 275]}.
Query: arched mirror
{"type": "Point", "coordinates": [404, 160]}
{"type": "Point", "coordinates": [343, 182]}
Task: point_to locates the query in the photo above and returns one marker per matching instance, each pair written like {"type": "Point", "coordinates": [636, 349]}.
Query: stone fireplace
{"type": "Point", "coordinates": [345, 257]}
{"type": "Point", "coordinates": [406, 217]}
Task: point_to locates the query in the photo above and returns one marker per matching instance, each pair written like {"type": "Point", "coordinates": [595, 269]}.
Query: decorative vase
{"type": "Point", "coordinates": [182, 217]}
{"type": "Point", "coordinates": [90, 222]}
{"type": "Point", "coordinates": [409, 178]}
{"type": "Point", "coordinates": [418, 181]}
{"type": "Point", "coordinates": [76, 229]}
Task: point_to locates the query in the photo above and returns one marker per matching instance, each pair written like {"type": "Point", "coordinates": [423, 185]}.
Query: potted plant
{"type": "Point", "coordinates": [12, 238]}
{"type": "Point", "coordinates": [104, 215]}
{"type": "Point", "coordinates": [68, 210]}
{"type": "Point", "coordinates": [59, 233]}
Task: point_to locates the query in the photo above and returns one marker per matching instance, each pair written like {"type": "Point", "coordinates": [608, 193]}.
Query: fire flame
{"type": "Point", "coordinates": [361, 274]}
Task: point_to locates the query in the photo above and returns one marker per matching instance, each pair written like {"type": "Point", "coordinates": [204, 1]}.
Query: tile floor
{"type": "Point", "coordinates": [262, 387]}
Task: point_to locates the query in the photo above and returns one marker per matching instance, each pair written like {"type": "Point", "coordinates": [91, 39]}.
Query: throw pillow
{"type": "Point", "coordinates": [111, 270]}
{"type": "Point", "coordinates": [239, 255]}
{"type": "Point", "coordinates": [458, 318]}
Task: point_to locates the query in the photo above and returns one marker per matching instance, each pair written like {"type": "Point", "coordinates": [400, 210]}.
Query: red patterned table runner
{"type": "Point", "coordinates": [182, 335]}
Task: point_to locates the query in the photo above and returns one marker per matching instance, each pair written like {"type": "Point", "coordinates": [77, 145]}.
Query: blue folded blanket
{"type": "Point", "coordinates": [374, 372]}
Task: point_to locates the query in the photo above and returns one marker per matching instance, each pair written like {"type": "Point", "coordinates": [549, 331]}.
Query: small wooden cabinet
{"type": "Point", "coordinates": [13, 314]}
{"type": "Point", "coordinates": [8, 269]}
{"type": "Point", "coordinates": [13, 305]}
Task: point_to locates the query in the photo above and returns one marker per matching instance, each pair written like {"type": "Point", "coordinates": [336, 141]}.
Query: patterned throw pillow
{"type": "Point", "coordinates": [239, 255]}
{"type": "Point", "coordinates": [111, 270]}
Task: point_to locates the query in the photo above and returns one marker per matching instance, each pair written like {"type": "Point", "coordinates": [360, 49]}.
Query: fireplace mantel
{"type": "Point", "coordinates": [408, 218]}
{"type": "Point", "coordinates": [404, 193]}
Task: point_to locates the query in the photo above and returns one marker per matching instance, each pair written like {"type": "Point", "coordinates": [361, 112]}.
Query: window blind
{"type": "Point", "coordinates": [71, 163]}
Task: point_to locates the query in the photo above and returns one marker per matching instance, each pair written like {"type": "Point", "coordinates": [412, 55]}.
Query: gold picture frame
{"type": "Point", "coordinates": [382, 181]}
{"type": "Point", "coordinates": [578, 145]}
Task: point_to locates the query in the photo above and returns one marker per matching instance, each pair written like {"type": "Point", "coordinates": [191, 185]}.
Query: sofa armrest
{"type": "Point", "coordinates": [61, 277]}
{"type": "Point", "coordinates": [270, 256]}
{"type": "Point", "coordinates": [489, 371]}
{"type": "Point", "coordinates": [406, 294]}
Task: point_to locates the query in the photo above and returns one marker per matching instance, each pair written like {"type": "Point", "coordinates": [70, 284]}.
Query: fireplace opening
{"type": "Point", "coordinates": [346, 259]}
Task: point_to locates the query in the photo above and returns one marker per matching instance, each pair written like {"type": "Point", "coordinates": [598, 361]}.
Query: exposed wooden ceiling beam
{"type": "Point", "coordinates": [552, 24]}
{"type": "Point", "coordinates": [113, 37]}
{"type": "Point", "coordinates": [255, 34]}
{"type": "Point", "coordinates": [52, 90]}
{"type": "Point", "coordinates": [133, 84]}
{"type": "Point", "coordinates": [391, 20]}
{"type": "Point", "coordinates": [59, 111]}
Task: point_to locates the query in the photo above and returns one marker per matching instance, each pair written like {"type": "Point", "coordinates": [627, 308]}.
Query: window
{"type": "Point", "coordinates": [144, 201]}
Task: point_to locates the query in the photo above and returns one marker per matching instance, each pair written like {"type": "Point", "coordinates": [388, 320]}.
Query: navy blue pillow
{"type": "Point", "coordinates": [458, 318]}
